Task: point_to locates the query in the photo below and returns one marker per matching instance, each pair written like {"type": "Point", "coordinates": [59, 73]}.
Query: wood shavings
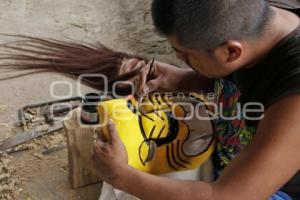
{"type": "Point", "coordinates": [39, 156]}
{"type": "Point", "coordinates": [49, 141]}
{"type": "Point", "coordinates": [3, 107]}
{"type": "Point", "coordinates": [9, 182]}
{"type": "Point", "coordinates": [43, 128]}
{"type": "Point", "coordinates": [9, 128]}
{"type": "Point", "coordinates": [31, 111]}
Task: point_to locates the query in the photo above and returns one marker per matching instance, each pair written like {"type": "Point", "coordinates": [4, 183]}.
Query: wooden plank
{"type": "Point", "coordinates": [29, 135]}
{"type": "Point", "coordinates": [80, 147]}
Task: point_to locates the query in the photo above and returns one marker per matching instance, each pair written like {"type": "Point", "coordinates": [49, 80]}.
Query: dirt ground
{"type": "Point", "coordinates": [123, 25]}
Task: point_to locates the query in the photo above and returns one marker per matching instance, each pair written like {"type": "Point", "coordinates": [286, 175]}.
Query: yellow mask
{"type": "Point", "coordinates": [159, 137]}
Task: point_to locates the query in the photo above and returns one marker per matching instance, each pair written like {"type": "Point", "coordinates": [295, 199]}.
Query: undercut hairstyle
{"type": "Point", "coordinates": [206, 24]}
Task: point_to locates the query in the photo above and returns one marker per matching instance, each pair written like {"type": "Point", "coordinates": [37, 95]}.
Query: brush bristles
{"type": "Point", "coordinates": [69, 58]}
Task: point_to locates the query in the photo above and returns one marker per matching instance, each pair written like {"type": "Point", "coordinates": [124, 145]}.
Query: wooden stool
{"type": "Point", "coordinates": [80, 148]}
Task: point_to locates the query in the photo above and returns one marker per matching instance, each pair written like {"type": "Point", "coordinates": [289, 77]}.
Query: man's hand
{"type": "Point", "coordinates": [110, 157]}
{"type": "Point", "coordinates": [166, 78]}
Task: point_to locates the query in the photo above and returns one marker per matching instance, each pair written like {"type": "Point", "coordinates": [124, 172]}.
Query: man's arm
{"type": "Point", "coordinates": [257, 172]}
{"type": "Point", "coordinates": [273, 157]}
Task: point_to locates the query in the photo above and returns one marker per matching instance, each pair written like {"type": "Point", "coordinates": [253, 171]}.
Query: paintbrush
{"type": "Point", "coordinates": [149, 74]}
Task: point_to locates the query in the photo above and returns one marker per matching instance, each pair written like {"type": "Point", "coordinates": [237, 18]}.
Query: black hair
{"type": "Point", "coordinates": [206, 24]}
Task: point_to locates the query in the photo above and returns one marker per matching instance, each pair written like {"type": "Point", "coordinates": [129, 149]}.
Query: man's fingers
{"type": "Point", "coordinates": [100, 146]}
{"type": "Point", "coordinates": [101, 136]}
{"type": "Point", "coordinates": [144, 86]}
{"type": "Point", "coordinates": [143, 79]}
{"type": "Point", "coordinates": [136, 66]}
{"type": "Point", "coordinates": [97, 147]}
{"type": "Point", "coordinates": [140, 65]}
{"type": "Point", "coordinates": [153, 85]}
{"type": "Point", "coordinates": [130, 65]}
{"type": "Point", "coordinates": [114, 136]}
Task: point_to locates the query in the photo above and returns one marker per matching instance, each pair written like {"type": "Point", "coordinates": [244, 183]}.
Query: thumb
{"type": "Point", "coordinates": [112, 129]}
{"type": "Point", "coordinates": [152, 85]}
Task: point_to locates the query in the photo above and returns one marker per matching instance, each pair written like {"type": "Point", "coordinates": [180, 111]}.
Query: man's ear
{"type": "Point", "coordinates": [229, 52]}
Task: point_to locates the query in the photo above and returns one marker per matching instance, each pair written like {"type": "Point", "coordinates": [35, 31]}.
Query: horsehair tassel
{"type": "Point", "coordinates": [69, 58]}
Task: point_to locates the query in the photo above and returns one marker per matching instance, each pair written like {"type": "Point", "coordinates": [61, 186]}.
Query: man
{"type": "Point", "coordinates": [251, 46]}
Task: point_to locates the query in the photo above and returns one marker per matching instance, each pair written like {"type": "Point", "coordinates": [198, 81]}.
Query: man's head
{"type": "Point", "coordinates": [211, 32]}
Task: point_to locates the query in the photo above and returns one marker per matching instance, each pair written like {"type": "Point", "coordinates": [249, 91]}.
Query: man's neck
{"type": "Point", "coordinates": [281, 25]}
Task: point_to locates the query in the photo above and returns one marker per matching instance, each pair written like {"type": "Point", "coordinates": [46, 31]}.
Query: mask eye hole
{"type": "Point", "coordinates": [132, 107]}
